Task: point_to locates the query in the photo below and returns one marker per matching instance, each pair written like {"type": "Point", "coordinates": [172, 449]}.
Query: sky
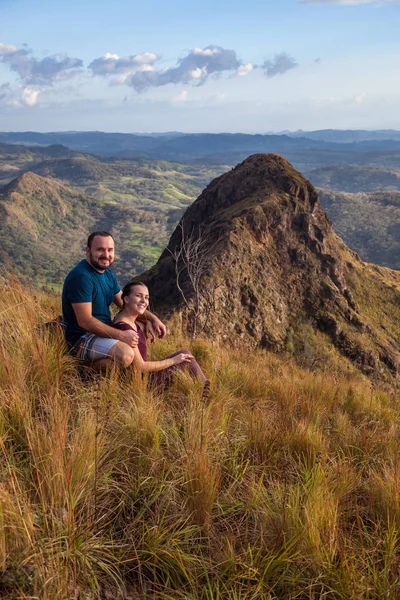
{"type": "Point", "coordinates": [254, 66]}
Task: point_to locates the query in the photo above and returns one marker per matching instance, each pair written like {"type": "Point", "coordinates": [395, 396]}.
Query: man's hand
{"type": "Point", "coordinates": [159, 328]}
{"type": "Point", "coordinates": [155, 328]}
{"type": "Point", "coordinates": [129, 337]}
{"type": "Point", "coordinates": [83, 312]}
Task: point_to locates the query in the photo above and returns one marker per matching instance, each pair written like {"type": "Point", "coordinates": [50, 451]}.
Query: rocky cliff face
{"type": "Point", "coordinates": [256, 254]}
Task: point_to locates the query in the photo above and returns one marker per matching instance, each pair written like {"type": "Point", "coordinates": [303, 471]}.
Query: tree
{"type": "Point", "coordinates": [192, 260]}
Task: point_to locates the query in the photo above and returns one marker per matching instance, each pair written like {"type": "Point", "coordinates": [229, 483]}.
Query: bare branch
{"type": "Point", "coordinates": [192, 260]}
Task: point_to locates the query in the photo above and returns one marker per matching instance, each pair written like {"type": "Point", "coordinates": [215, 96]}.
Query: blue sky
{"type": "Point", "coordinates": [254, 66]}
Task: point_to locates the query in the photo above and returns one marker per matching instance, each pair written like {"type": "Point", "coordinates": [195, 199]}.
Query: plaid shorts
{"type": "Point", "coordinates": [92, 347]}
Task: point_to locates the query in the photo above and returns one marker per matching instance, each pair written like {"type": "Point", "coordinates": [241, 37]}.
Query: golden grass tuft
{"type": "Point", "coordinates": [282, 485]}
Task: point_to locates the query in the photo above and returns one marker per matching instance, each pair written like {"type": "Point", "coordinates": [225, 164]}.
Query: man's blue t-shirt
{"type": "Point", "coordinates": [85, 284]}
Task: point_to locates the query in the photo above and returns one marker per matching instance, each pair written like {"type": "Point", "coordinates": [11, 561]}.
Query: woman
{"type": "Point", "coordinates": [135, 297]}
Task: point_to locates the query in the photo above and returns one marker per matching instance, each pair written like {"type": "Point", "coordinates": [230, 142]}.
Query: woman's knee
{"type": "Point", "coordinates": [183, 352]}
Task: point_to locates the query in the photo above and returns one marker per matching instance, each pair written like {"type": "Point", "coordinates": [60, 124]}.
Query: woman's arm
{"type": "Point", "coordinates": [158, 365]}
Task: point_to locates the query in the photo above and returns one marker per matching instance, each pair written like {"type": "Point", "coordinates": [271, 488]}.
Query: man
{"type": "Point", "coordinates": [89, 290]}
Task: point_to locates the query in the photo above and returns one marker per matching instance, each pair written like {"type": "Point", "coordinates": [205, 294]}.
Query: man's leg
{"type": "Point", "coordinates": [120, 354]}
{"type": "Point", "coordinates": [102, 353]}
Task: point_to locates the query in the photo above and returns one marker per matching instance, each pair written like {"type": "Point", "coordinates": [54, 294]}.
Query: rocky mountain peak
{"type": "Point", "coordinates": [265, 173]}
{"type": "Point", "coordinates": [259, 179]}
{"type": "Point", "coordinates": [255, 256]}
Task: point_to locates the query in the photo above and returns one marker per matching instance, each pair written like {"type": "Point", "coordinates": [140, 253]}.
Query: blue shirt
{"type": "Point", "coordinates": [85, 284]}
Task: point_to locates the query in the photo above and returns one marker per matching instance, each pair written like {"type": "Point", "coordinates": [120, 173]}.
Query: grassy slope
{"type": "Point", "coordinates": [284, 485]}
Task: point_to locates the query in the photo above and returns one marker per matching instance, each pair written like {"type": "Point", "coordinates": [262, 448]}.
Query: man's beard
{"type": "Point", "coordinates": [95, 263]}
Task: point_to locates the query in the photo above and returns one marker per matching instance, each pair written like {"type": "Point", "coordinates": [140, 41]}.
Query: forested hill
{"type": "Point", "coordinates": [141, 201]}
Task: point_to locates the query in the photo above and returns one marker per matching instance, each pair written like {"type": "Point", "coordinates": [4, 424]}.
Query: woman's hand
{"type": "Point", "coordinates": [182, 357]}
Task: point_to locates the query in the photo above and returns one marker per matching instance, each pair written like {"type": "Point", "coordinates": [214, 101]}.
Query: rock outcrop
{"type": "Point", "coordinates": [255, 255]}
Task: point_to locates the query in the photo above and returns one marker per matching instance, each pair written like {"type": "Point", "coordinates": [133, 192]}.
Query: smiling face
{"type": "Point", "coordinates": [137, 300]}
{"type": "Point", "coordinates": [101, 252]}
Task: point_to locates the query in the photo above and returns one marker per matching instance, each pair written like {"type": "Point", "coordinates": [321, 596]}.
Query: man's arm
{"type": "Point", "coordinates": [154, 326]}
{"type": "Point", "coordinates": [83, 313]}
{"type": "Point", "coordinates": [118, 299]}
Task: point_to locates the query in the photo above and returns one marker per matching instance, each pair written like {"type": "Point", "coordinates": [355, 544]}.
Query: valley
{"type": "Point", "coordinates": [142, 199]}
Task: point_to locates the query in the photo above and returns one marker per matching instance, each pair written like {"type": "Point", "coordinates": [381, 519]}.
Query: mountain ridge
{"type": "Point", "coordinates": [192, 146]}
{"type": "Point", "coordinates": [276, 264]}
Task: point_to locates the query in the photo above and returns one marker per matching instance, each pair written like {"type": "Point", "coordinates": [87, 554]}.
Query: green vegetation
{"type": "Point", "coordinates": [368, 223]}
{"type": "Point", "coordinates": [141, 201]}
{"type": "Point", "coordinates": [351, 178]}
{"type": "Point", "coordinates": [283, 485]}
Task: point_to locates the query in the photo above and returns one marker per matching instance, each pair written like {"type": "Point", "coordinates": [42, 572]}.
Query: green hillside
{"type": "Point", "coordinates": [15, 159]}
{"type": "Point", "coordinates": [355, 179]}
{"type": "Point", "coordinates": [74, 170]}
{"type": "Point", "coordinates": [141, 200]}
{"type": "Point", "coordinates": [42, 225]}
{"type": "Point", "coordinates": [147, 184]}
{"type": "Point", "coordinates": [44, 222]}
{"type": "Point", "coordinates": [368, 223]}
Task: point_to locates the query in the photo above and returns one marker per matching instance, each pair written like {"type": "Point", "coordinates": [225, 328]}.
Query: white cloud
{"type": "Point", "coordinates": [244, 70]}
{"type": "Point", "coordinates": [112, 64]}
{"type": "Point", "coordinates": [141, 72]}
{"type": "Point", "coordinates": [206, 51]}
{"type": "Point", "coordinates": [7, 49]}
{"type": "Point", "coordinates": [29, 97]}
{"type": "Point", "coordinates": [280, 64]}
{"type": "Point", "coordinates": [146, 58]}
{"type": "Point", "coordinates": [197, 73]}
{"type": "Point", "coordinates": [361, 98]}
{"type": "Point", "coordinates": [181, 97]}
{"type": "Point", "coordinates": [39, 72]}
{"type": "Point", "coordinates": [197, 66]}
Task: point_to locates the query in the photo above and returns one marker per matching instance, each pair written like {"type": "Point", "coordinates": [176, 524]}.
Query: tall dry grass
{"type": "Point", "coordinates": [284, 485]}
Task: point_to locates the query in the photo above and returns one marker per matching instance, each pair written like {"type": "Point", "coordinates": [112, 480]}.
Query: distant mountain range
{"type": "Point", "coordinates": [347, 135]}
{"type": "Point", "coordinates": [222, 146]}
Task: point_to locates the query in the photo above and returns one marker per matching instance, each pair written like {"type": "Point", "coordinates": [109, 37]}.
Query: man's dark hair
{"type": "Point", "coordinates": [93, 235]}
